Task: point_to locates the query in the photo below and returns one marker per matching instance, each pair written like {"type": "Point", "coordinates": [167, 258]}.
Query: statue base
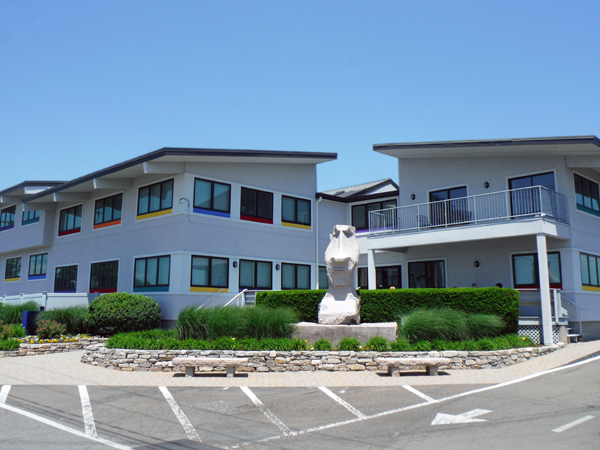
{"type": "Point", "coordinates": [312, 332]}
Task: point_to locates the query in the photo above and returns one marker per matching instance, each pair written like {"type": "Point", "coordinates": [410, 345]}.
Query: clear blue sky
{"type": "Point", "coordinates": [87, 84]}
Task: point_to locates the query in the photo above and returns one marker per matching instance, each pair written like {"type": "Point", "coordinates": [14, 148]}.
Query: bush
{"type": "Point", "coordinates": [400, 345]}
{"type": "Point", "coordinates": [9, 345]}
{"type": "Point", "coordinates": [349, 343]}
{"type": "Point", "coordinates": [323, 345]}
{"type": "Point", "coordinates": [11, 331]}
{"type": "Point", "coordinates": [49, 329]}
{"type": "Point", "coordinates": [304, 302]}
{"type": "Point", "coordinates": [74, 318]}
{"type": "Point", "coordinates": [483, 325]}
{"type": "Point", "coordinates": [14, 313]}
{"type": "Point", "coordinates": [265, 322]}
{"type": "Point", "coordinates": [378, 344]}
{"type": "Point", "coordinates": [428, 324]}
{"type": "Point", "coordinates": [120, 311]}
{"type": "Point", "coordinates": [422, 346]}
{"type": "Point", "coordinates": [386, 304]}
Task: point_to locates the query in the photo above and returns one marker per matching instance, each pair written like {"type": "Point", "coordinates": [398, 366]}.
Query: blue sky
{"type": "Point", "coordinates": [87, 84]}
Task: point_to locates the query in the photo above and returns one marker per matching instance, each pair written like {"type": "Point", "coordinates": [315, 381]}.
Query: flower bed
{"type": "Point", "coordinates": [294, 361]}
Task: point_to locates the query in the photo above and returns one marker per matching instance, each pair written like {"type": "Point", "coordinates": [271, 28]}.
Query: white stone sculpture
{"type": "Point", "coordinates": [340, 304]}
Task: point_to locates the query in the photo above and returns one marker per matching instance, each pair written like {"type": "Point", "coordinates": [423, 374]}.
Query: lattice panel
{"type": "Point", "coordinates": [535, 333]}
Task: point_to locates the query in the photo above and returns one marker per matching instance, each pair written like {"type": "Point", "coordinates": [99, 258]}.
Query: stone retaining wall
{"type": "Point", "coordinates": [27, 349]}
{"type": "Point", "coordinates": [275, 361]}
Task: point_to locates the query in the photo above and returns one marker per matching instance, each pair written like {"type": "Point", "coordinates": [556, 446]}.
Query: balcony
{"type": "Point", "coordinates": [493, 208]}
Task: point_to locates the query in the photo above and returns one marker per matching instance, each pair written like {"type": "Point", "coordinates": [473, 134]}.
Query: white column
{"type": "Point", "coordinates": [544, 289]}
{"type": "Point", "coordinates": [371, 269]}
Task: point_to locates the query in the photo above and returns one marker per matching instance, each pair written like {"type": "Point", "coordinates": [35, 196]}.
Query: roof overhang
{"type": "Point", "coordinates": [15, 193]}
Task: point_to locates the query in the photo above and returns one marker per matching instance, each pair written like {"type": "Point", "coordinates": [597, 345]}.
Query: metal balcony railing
{"type": "Point", "coordinates": [535, 201]}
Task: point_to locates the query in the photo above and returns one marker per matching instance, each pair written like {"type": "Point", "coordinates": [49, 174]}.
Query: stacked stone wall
{"type": "Point", "coordinates": [27, 349]}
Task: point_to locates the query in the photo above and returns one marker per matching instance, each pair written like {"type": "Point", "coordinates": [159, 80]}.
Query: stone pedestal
{"type": "Point", "coordinates": [312, 332]}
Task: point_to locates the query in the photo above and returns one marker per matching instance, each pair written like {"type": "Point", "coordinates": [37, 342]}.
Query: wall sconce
{"type": "Point", "coordinates": [476, 264]}
{"type": "Point", "coordinates": [486, 185]}
{"type": "Point", "coordinates": [276, 266]}
{"type": "Point", "coordinates": [235, 264]}
{"type": "Point", "coordinates": [413, 196]}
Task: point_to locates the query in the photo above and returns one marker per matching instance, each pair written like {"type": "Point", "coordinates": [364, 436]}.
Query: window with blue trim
{"type": "Point", "coordinates": [211, 197]}
{"type": "Point", "coordinates": [37, 266]}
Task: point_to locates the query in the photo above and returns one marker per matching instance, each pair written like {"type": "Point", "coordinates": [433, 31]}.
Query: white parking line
{"type": "Point", "coordinates": [189, 429]}
{"type": "Point", "coordinates": [572, 424]}
{"type": "Point", "coordinates": [62, 427]}
{"type": "Point", "coordinates": [342, 402]}
{"type": "Point", "coordinates": [285, 430]}
{"type": "Point", "coordinates": [86, 409]}
{"type": "Point", "coordinates": [420, 394]}
{"type": "Point", "coordinates": [4, 393]}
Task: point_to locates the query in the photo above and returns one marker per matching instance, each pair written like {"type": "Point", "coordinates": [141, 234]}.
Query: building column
{"type": "Point", "coordinates": [542, 254]}
{"type": "Point", "coordinates": [372, 274]}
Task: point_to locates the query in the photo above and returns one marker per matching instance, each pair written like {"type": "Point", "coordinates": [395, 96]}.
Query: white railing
{"type": "Point", "coordinates": [536, 201]}
{"type": "Point", "coordinates": [49, 300]}
{"type": "Point", "coordinates": [531, 307]}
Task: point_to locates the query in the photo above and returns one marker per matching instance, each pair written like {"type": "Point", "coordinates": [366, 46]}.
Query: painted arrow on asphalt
{"type": "Point", "coordinates": [468, 417]}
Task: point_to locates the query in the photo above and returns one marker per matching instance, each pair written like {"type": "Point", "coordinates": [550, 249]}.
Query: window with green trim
{"type": "Point", "coordinates": [155, 197]}
{"type": "Point", "coordinates": [13, 269]}
{"type": "Point", "coordinates": [587, 195]}
{"type": "Point", "coordinates": [295, 276]}
{"type": "Point", "coordinates": [152, 273]}
{"type": "Point", "coordinates": [30, 217]}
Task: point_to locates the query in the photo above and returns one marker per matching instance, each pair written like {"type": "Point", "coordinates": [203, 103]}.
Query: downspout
{"type": "Point", "coordinates": [317, 239]}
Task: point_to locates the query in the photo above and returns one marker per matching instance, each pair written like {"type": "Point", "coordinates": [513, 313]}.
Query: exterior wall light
{"type": "Point", "coordinates": [276, 266]}
{"type": "Point", "coordinates": [413, 196]}
{"type": "Point", "coordinates": [235, 264]}
{"type": "Point", "coordinates": [486, 185]}
{"type": "Point", "coordinates": [476, 264]}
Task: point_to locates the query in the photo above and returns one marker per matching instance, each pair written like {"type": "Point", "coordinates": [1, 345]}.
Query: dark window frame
{"type": "Point", "coordinates": [146, 285]}
{"type": "Point", "coordinates": [34, 265]}
{"type": "Point", "coordinates": [536, 284]}
{"type": "Point", "coordinates": [149, 187]}
{"type": "Point", "coordinates": [256, 217]}
{"type": "Point", "coordinates": [593, 188]}
{"type": "Point", "coordinates": [326, 278]}
{"type": "Point", "coordinates": [29, 220]}
{"type": "Point", "coordinates": [109, 287]}
{"type": "Point", "coordinates": [427, 272]}
{"type": "Point", "coordinates": [296, 276]}
{"type": "Point", "coordinates": [366, 213]}
{"type": "Point", "coordinates": [66, 231]}
{"type": "Point", "coordinates": [72, 272]}
{"type": "Point", "coordinates": [381, 271]}
{"type": "Point", "coordinates": [255, 286]}
{"type": "Point", "coordinates": [296, 201]}
{"type": "Point", "coordinates": [210, 269]}
{"type": "Point", "coordinates": [597, 258]}
{"type": "Point", "coordinates": [7, 217]}
{"type": "Point", "coordinates": [212, 196]}
{"type": "Point", "coordinates": [103, 201]}
{"type": "Point", "coordinates": [13, 268]}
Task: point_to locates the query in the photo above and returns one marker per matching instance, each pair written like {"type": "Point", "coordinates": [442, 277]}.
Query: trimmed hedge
{"type": "Point", "coordinates": [120, 312]}
{"type": "Point", "coordinates": [384, 305]}
{"type": "Point", "coordinates": [304, 302]}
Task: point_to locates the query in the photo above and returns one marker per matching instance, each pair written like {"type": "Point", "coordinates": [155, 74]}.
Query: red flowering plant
{"type": "Point", "coordinates": [50, 329]}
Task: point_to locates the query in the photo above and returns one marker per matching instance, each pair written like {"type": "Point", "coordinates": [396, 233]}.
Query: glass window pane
{"type": "Point", "coordinates": [44, 264]}
{"type": "Point", "coordinates": [288, 276]}
{"type": "Point", "coordinates": [117, 206]}
{"type": "Point", "coordinates": [38, 264]}
{"type": "Point", "coordinates": [218, 275]}
{"type": "Point", "coordinates": [288, 209]}
{"type": "Point", "coordinates": [593, 271]}
{"type": "Point", "coordinates": [578, 190]}
{"type": "Point", "coordinates": [108, 209]}
{"type": "Point", "coordinates": [359, 217]}
{"type": "Point", "coordinates": [151, 271]}
{"type": "Point", "coordinates": [388, 204]}
{"type": "Point", "coordinates": [99, 212]}
{"type": "Point", "coordinates": [585, 273]}
{"type": "Point", "coordinates": [303, 275]}
{"type": "Point", "coordinates": [393, 277]}
{"type": "Point", "coordinates": [595, 196]}
{"type": "Point", "coordinates": [164, 266]}
{"type": "Point", "coordinates": [32, 265]}
{"type": "Point", "coordinates": [58, 279]}
{"type": "Point", "coordinates": [459, 192]}
{"type": "Point", "coordinates": [143, 200]}
{"type": "Point", "coordinates": [221, 199]}
{"type": "Point", "coordinates": [265, 205]}
{"type": "Point", "coordinates": [263, 275]}
{"type": "Point", "coordinates": [587, 195]}
{"type": "Point", "coordinates": [303, 207]}
{"type": "Point", "coordinates": [63, 221]}
{"type": "Point", "coordinates": [554, 268]}
{"type": "Point", "coordinates": [95, 276]}
{"type": "Point", "coordinates": [247, 274]}
{"type": "Point", "coordinates": [525, 267]}
{"type": "Point", "coordinates": [73, 279]}
{"type": "Point", "coordinates": [167, 195]}
{"type": "Point", "coordinates": [417, 275]}
{"type": "Point", "coordinates": [437, 274]}
{"type": "Point", "coordinates": [202, 194]}
{"type": "Point", "coordinates": [363, 278]}
{"type": "Point", "coordinates": [155, 197]}
{"type": "Point", "coordinates": [140, 272]}
{"type": "Point", "coordinates": [114, 275]}
{"type": "Point", "coordinates": [544, 179]}
{"type": "Point", "coordinates": [379, 278]}
{"type": "Point", "coordinates": [70, 219]}
{"type": "Point", "coordinates": [324, 281]}
{"type": "Point", "coordinates": [248, 202]}
{"type": "Point", "coordinates": [199, 271]}
{"type": "Point", "coordinates": [78, 217]}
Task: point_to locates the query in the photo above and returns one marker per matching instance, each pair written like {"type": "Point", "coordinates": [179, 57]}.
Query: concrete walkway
{"type": "Point", "coordinates": [65, 369]}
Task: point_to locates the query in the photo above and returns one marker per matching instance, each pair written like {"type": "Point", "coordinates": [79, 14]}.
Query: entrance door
{"type": "Point", "coordinates": [448, 212]}
{"type": "Point", "coordinates": [387, 277]}
{"type": "Point", "coordinates": [523, 201]}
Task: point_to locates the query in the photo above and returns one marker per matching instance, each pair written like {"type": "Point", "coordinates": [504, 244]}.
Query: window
{"type": "Point", "coordinates": [295, 212]}
{"type": "Point", "coordinates": [13, 269]}
{"type": "Point", "coordinates": [256, 206]}
{"type": "Point", "coordinates": [590, 265]}
{"type": "Point", "coordinates": [426, 274]}
{"type": "Point", "coordinates": [256, 275]}
{"type": "Point", "coordinates": [386, 277]}
{"type": "Point", "coordinates": [209, 272]}
{"type": "Point", "coordinates": [70, 221]}
{"type": "Point", "coordinates": [107, 211]}
{"type": "Point", "coordinates": [104, 277]}
{"type": "Point", "coordinates": [156, 198]}
{"type": "Point", "coordinates": [212, 198]}
{"type": "Point", "coordinates": [527, 201]}
{"type": "Point", "coordinates": [323, 278]}
{"type": "Point", "coordinates": [587, 195]}
{"type": "Point", "coordinates": [295, 276]}
{"type": "Point", "coordinates": [30, 217]}
{"type": "Point", "coordinates": [449, 206]}
{"type": "Point", "coordinates": [37, 266]}
{"type": "Point", "coordinates": [152, 274]}
{"type": "Point", "coordinates": [526, 272]}
{"type": "Point", "coordinates": [65, 279]}
{"type": "Point", "coordinates": [7, 218]}
{"type": "Point", "coordinates": [360, 213]}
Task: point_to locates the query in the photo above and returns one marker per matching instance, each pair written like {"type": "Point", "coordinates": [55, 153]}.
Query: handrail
{"type": "Point", "coordinates": [208, 301]}
{"type": "Point", "coordinates": [579, 308]}
{"type": "Point", "coordinates": [241, 293]}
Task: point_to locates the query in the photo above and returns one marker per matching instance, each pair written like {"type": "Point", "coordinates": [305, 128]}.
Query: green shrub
{"type": "Point", "coordinates": [439, 344]}
{"type": "Point", "coordinates": [400, 345]}
{"type": "Point", "coordinates": [468, 345]}
{"type": "Point", "coordinates": [74, 318]}
{"type": "Point", "coordinates": [304, 302]}
{"type": "Point", "coordinates": [378, 344]}
{"type": "Point", "coordinates": [323, 345]}
{"type": "Point", "coordinates": [386, 304]}
{"type": "Point", "coordinates": [483, 325]}
{"type": "Point", "coordinates": [349, 343]}
{"type": "Point", "coordinates": [11, 331]}
{"type": "Point", "coordinates": [119, 312]}
{"type": "Point", "coordinates": [519, 341]}
{"type": "Point", "coordinates": [50, 329]}
{"type": "Point", "coordinates": [14, 313]}
{"type": "Point", "coordinates": [211, 323]}
{"type": "Point", "coordinates": [428, 324]}
{"type": "Point", "coordinates": [263, 322]}
{"type": "Point", "coordinates": [422, 346]}
{"type": "Point", "coordinates": [9, 345]}
{"type": "Point", "coordinates": [485, 344]}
